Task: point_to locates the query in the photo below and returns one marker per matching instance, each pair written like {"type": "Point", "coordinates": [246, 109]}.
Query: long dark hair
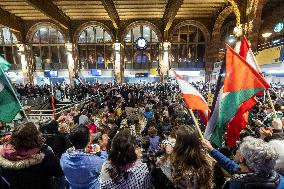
{"type": "Point", "coordinates": [189, 160]}
{"type": "Point", "coordinates": [122, 154]}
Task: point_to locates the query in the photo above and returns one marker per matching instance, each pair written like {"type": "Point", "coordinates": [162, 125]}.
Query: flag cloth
{"type": "Point", "coordinates": [241, 83]}
{"type": "Point", "coordinates": [4, 64]}
{"type": "Point", "coordinates": [193, 99]}
{"type": "Point", "coordinates": [240, 120]}
{"type": "Point", "coordinates": [9, 106]}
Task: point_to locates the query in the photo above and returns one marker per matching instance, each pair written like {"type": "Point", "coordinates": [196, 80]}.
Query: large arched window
{"type": "Point", "coordinates": [188, 47]}
{"type": "Point", "coordinates": [141, 59]}
{"type": "Point", "coordinates": [48, 48]}
{"type": "Point", "coordinates": [95, 48]}
{"type": "Point", "coordinates": [8, 48]}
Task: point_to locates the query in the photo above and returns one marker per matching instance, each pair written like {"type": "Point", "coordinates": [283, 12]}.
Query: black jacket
{"type": "Point", "coordinates": [32, 173]}
{"type": "Point", "coordinates": [252, 181]}
{"type": "Point", "coordinates": [58, 142]}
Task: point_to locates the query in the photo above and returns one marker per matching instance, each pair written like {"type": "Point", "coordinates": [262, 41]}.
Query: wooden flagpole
{"type": "Point", "coordinates": [196, 124]}
{"type": "Point", "coordinates": [271, 103]}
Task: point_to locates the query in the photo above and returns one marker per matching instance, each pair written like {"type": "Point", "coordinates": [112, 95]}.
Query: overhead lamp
{"type": "Point", "coordinates": [266, 35]}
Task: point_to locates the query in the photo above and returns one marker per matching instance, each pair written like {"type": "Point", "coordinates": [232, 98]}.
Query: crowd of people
{"type": "Point", "coordinates": [141, 136]}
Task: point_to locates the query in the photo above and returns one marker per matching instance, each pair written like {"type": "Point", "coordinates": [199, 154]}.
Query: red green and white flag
{"type": "Point", "coordinates": [240, 120]}
{"type": "Point", "coordinates": [193, 99]}
{"type": "Point", "coordinates": [242, 82]}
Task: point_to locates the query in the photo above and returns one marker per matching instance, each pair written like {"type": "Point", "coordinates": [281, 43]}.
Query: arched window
{"type": "Point", "coordinates": [188, 47]}
{"type": "Point", "coordinates": [48, 48]}
{"type": "Point", "coordinates": [8, 48]}
{"type": "Point", "coordinates": [136, 58]}
{"type": "Point", "coordinates": [95, 48]}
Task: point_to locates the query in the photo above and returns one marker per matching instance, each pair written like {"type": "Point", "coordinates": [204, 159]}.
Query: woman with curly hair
{"type": "Point", "coordinates": [190, 166]}
{"type": "Point", "coordinates": [26, 162]}
{"type": "Point", "coordinates": [124, 168]}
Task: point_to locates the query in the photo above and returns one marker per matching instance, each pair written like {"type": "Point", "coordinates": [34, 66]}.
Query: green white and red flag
{"type": "Point", "coordinates": [242, 83]}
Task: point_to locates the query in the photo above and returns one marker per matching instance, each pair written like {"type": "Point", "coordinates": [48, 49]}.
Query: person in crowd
{"type": "Point", "coordinates": [154, 140]}
{"type": "Point", "coordinates": [26, 161]}
{"type": "Point", "coordinates": [189, 166]}
{"type": "Point", "coordinates": [124, 169]}
{"type": "Point", "coordinates": [253, 166]}
{"type": "Point", "coordinates": [57, 141]}
{"type": "Point", "coordinates": [81, 169]}
{"type": "Point", "coordinates": [83, 118]}
{"type": "Point", "coordinates": [148, 114]}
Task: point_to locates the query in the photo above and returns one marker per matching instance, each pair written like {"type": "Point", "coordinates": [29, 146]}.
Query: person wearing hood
{"type": "Point", "coordinates": [81, 169]}
{"type": "Point", "coordinates": [26, 162]}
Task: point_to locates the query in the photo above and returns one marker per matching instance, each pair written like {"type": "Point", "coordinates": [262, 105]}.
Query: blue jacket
{"type": "Point", "coordinates": [81, 169]}
{"type": "Point", "coordinates": [148, 115]}
{"type": "Point", "coordinates": [226, 163]}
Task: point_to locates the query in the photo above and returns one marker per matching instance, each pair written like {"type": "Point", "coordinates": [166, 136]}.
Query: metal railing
{"type": "Point", "coordinates": [46, 115]}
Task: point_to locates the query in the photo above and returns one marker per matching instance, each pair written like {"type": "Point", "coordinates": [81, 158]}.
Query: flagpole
{"type": "Point", "coordinates": [15, 94]}
{"type": "Point", "coordinates": [271, 104]}
{"type": "Point", "coordinates": [196, 124]}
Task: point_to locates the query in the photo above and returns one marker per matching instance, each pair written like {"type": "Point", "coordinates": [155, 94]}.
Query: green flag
{"type": "Point", "coordinates": [9, 105]}
{"type": "Point", "coordinates": [4, 64]}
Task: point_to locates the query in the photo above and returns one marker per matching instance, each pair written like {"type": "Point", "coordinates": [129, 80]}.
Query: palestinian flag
{"type": "Point", "coordinates": [242, 82]}
{"type": "Point", "coordinates": [9, 106]}
{"type": "Point", "coordinates": [240, 120]}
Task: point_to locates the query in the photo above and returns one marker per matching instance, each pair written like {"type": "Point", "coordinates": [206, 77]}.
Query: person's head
{"type": "Point", "coordinates": [79, 137]}
{"type": "Point", "coordinates": [152, 131]}
{"type": "Point", "coordinates": [188, 156]}
{"type": "Point", "coordinates": [123, 149]}
{"type": "Point", "coordinates": [26, 136]}
{"type": "Point", "coordinates": [257, 155]}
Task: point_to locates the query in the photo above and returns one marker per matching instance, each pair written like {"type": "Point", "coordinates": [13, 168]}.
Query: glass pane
{"type": "Point", "coordinates": [99, 35]}
{"type": "Point", "coordinates": [146, 33]}
{"type": "Point", "coordinates": [109, 57]}
{"type": "Point", "coordinates": [90, 35]}
{"type": "Point", "coordinates": [155, 55]}
{"type": "Point", "coordinates": [107, 38]}
{"type": "Point", "coordinates": [192, 33]}
{"type": "Point", "coordinates": [36, 57]}
{"type": "Point", "coordinates": [60, 38]}
{"type": "Point", "coordinates": [45, 58]}
{"type": "Point", "coordinates": [14, 38]}
{"type": "Point", "coordinates": [83, 56]}
{"type": "Point", "coordinates": [9, 54]}
{"type": "Point", "coordinates": [128, 55]}
{"type": "Point", "coordinates": [91, 56]}
{"type": "Point", "coordinates": [100, 57]}
{"type": "Point", "coordinates": [200, 36]}
{"type": "Point", "coordinates": [36, 37]}
{"type": "Point", "coordinates": [43, 35]}
{"type": "Point", "coordinates": [154, 37]}
{"type": "Point", "coordinates": [82, 37]}
{"type": "Point", "coordinates": [7, 36]}
{"type": "Point", "coordinates": [63, 56]}
{"type": "Point", "coordinates": [53, 35]}
{"type": "Point", "coordinates": [136, 32]}
{"type": "Point", "coordinates": [128, 37]}
{"type": "Point", "coordinates": [54, 54]}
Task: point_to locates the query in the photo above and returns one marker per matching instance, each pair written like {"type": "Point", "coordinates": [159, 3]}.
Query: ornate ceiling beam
{"type": "Point", "coordinates": [11, 21]}
{"type": "Point", "coordinates": [111, 10]}
{"type": "Point", "coordinates": [170, 13]}
{"type": "Point", "coordinates": [52, 11]}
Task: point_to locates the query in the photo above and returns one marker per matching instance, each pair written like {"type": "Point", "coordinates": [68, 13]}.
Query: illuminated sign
{"type": "Point", "coordinates": [279, 27]}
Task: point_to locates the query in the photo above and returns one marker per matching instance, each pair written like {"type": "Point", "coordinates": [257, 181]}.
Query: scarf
{"type": "Point", "coordinates": [9, 152]}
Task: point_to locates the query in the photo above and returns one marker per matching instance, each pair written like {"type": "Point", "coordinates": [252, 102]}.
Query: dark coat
{"type": "Point", "coordinates": [58, 142]}
{"type": "Point", "coordinates": [32, 173]}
